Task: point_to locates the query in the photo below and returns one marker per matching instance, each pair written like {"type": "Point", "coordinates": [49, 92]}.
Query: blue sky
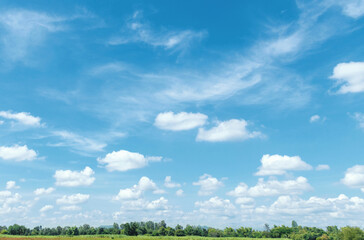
{"type": "Point", "coordinates": [221, 114]}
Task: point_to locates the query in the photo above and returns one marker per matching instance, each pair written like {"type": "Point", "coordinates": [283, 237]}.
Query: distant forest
{"type": "Point", "coordinates": [161, 229]}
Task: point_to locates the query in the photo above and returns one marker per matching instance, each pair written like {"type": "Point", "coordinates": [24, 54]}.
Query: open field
{"type": "Point", "coordinates": [105, 237]}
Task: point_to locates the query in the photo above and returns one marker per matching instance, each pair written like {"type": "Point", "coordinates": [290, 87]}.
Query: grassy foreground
{"type": "Point", "coordinates": [106, 237]}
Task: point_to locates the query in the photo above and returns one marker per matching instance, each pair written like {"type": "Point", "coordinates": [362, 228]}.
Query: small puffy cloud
{"type": "Point", "coordinates": [349, 77]}
{"type": "Point", "coordinates": [17, 153]}
{"type": "Point", "coordinates": [314, 118]}
{"type": "Point", "coordinates": [231, 130]}
{"type": "Point", "coordinates": [73, 199]}
{"type": "Point", "coordinates": [23, 118]}
{"type": "Point", "coordinates": [208, 185]}
{"type": "Point", "coordinates": [354, 177]}
{"type": "Point", "coordinates": [169, 184]}
{"type": "Point", "coordinates": [322, 167]}
{"type": "Point", "coordinates": [359, 117]}
{"type": "Point", "coordinates": [279, 165]}
{"type": "Point", "coordinates": [180, 121]}
{"type": "Point", "coordinates": [124, 160]}
{"type": "Point", "coordinates": [46, 208]}
{"type": "Point", "coordinates": [136, 191]}
{"type": "Point", "coordinates": [11, 185]}
{"type": "Point", "coordinates": [42, 191]}
{"type": "Point", "coordinates": [271, 187]}
{"type": "Point", "coordinates": [68, 178]}
{"type": "Point", "coordinates": [179, 192]}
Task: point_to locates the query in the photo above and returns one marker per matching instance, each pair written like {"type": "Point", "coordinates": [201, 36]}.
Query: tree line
{"type": "Point", "coordinates": [150, 228]}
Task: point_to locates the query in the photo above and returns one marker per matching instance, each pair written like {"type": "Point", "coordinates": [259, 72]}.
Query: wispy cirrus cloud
{"type": "Point", "coordinates": [137, 30]}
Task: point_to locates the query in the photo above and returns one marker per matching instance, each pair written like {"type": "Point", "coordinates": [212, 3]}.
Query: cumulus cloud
{"type": "Point", "coordinates": [279, 165]}
{"type": "Point", "coordinates": [314, 118]}
{"type": "Point", "coordinates": [46, 208]}
{"type": "Point", "coordinates": [138, 31]}
{"type": "Point", "coordinates": [322, 167]}
{"type": "Point", "coordinates": [180, 121]}
{"type": "Point", "coordinates": [349, 77]}
{"type": "Point", "coordinates": [339, 207]}
{"type": "Point", "coordinates": [23, 118]}
{"type": "Point", "coordinates": [42, 191]}
{"type": "Point", "coordinates": [354, 177]}
{"type": "Point", "coordinates": [231, 130]}
{"type": "Point", "coordinates": [73, 199]}
{"type": "Point", "coordinates": [272, 187]}
{"type": "Point", "coordinates": [10, 203]}
{"type": "Point", "coordinates": [68, 178]}
{"type": "Point", "coordinates": [216, 206]}
{"type": "Point", "coordinates": [169, 184]}
{"type": "Point", "coordinates": [17, 153]}
{"type": "Point", "coordinates": [208, 185]}
{"type": "Point", "coordinates": [179, 192]}
{"type": "Point", "coordinates": [11, 185]}
{"type": "Point", "coordinates": [136, 191]}
{"type": "Point", "coordinates": [157, 206]}
{"type": "Point", "coordinates": [124, 160]}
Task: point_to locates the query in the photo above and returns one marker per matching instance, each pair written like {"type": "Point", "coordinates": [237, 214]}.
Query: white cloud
{"type": "Point", "coordinates": [359, 117]}
{"type": "Point", "coordinates": [279, 165]}
{"type": "Point", "coordinates": [1, 122]}
{"type": "Point", "coordinates": [8, 201]}
{"type": "Point", "coordinates": [46, 208]}
{"type": "Point", "coordinates": [17, 153]}
{"type": "Point", "coordinates": [349, 77]}
{"type": "Point", "coordinates": [42, 191]}
{"type": "Point", "coordinates": [11, 185]}
{"type": "Point", "coordinates": [24, 31]}
{"type": "Point", "coordinates": [275, 187]}
{"type": "Point", "coordinates": [179, 192]}
{"type": "Point", "coordinates": [155, 206]}
{"type": "Point", "coordinates": [68, 178]}
{"type": "Point", "coordinates": [73, 199]}
{"type": "Point", "coordinates": [322, 167]}
{"type": "Point", "coordinates": [23, 118]}
{"type": "Point", "coordinates": [137, 31]}
{"type": "Point", "coordinates": [352, 8]}
{"type": "Point", "coordinates": [341, 207]}
{"type": "Point", "coordinates": [314, 118]}
{"type": "Point", "coordinates": [231, 130]}
{"type": "Point", "coordinates": [354, 177]}
{"type": "Point", "coordinates": [113, 67]}
{"type": "Point", "coordinates": [272, 187]}
{"type": "Point", "coordinates": [70, 208]}
{"type": "Point", "coordinates": [124, 160]}
{"type": "Point", "coordinates": [216, 206]}
{"type": "Point", "coordinates": [180, 121]}
{"type": "Point", "coordinates": [169, 184]}
{"type": "Point", "coordinates": [78, 143]}
{"type": "Point", "coordinates": [208, 185]}
{"type": "Point", "coordinates": [136, 191]}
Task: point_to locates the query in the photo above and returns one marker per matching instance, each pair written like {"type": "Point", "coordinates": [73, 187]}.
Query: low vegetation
{"type": "Point", "coordinates": [147, 230]}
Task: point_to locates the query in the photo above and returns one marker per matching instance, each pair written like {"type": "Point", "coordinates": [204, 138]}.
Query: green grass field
{"type": "Point", "coordinates": [105, 237]}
